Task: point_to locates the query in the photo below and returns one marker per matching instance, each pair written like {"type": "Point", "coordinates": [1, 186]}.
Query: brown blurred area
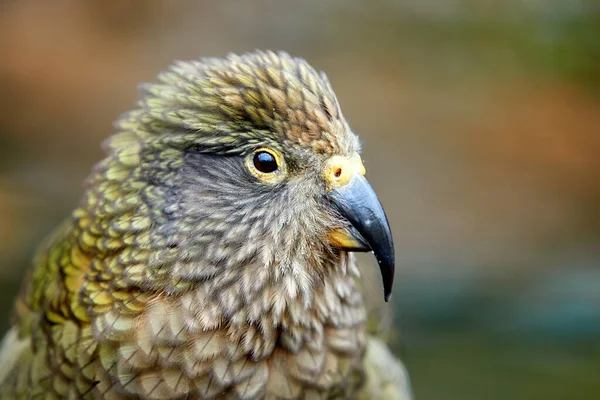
{"type": "Point", "coordinates": [480, 123]}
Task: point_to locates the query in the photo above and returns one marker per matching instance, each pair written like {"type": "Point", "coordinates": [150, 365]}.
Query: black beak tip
{"type": "Point", "coordinates": [387, 275]}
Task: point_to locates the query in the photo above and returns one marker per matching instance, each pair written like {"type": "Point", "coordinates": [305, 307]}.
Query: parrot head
{"type": "Point", "coordinates": [247, 164]}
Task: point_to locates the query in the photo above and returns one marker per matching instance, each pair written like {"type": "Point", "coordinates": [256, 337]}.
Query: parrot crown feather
{"type": "Point", "coordinates": [234, 104]}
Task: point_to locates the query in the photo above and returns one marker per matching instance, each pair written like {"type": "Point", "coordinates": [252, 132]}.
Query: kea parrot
{"type": "Point", "coordinates": [212, 254]}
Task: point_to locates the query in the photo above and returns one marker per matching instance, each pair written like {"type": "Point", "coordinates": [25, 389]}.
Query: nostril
{"type": "Point", "coordinates": [338, 172]}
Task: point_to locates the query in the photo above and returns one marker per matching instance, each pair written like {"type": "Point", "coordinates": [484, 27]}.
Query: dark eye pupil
{"type": "Point", "coordinates": [265, 162]}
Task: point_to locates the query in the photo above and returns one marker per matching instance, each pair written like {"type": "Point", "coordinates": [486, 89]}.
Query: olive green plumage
{"type": "Point", "coordinates": [186, 272]}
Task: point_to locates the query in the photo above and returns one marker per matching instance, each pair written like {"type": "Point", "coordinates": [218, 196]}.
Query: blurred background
{"type": "Point", "coordinates": [481, 129]}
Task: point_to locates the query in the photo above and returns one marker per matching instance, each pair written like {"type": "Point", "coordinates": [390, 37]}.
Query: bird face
{"type": "Point", "coordinates": [257, 166]}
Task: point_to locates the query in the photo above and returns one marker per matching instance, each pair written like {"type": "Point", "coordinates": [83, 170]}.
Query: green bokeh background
{"type": "Point", "coordinates": [480, 122]}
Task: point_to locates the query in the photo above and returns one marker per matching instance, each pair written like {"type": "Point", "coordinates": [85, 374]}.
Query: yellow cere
{"type": "Point", "coordinates": [339, 170]}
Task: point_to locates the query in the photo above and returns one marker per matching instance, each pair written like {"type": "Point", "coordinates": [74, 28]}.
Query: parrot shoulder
{"type": "Point", "coordinates": [385, 376]}
{"type": "Point", "coordinates": [12, 349]}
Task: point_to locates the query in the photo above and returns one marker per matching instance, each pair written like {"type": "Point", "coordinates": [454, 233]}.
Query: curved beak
{"type": "Point", "coordinates": [357, 202]}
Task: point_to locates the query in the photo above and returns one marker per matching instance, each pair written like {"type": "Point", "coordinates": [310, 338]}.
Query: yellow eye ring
{"type": "Point", "coordinates": [266, 164]}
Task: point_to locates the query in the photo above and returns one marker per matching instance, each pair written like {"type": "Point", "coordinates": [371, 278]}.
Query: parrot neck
{"type": "Point", "coordinates": [284, 299]}
{"type": "Point", "coordinates": [259, 313]}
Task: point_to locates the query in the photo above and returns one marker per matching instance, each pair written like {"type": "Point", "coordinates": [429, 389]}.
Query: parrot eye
{"type": "Point", "coordinates": [265, 162]}
{"type": "Point", "coordinates": [267, 165]}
